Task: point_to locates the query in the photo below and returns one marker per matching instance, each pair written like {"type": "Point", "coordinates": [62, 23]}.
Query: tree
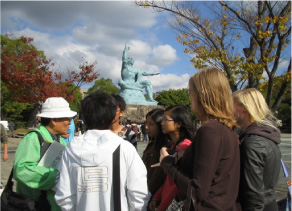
{"type": "Point", "coordinates": [77, 98]}
{"type": "Point", "coordinates": [217, 40]}
{"type": "Point", "coordinates": [26, 73]}
{"type": "Point", "coordinates": [173, 97]}
{"type": "Point", "coordinates": [105, 85]}
{"type": "Point", "coordinates": [11, 107]}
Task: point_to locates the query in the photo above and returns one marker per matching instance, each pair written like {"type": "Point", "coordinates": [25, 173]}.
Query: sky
{"type": "Point", "coordinates": [71, 33]}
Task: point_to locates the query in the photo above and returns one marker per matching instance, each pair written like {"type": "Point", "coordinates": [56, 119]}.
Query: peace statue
{"type": "Point", "coordinates": [131, 84]}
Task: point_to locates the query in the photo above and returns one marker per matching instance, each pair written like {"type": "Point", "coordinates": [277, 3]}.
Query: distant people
{"type": "Point", "coordinates": [177, 124]}
{"type": "Point", "coordinates": [151, 154]}
{"type": "Point", "coordinates": [132, 77]}
{"type": "Point", "coordinates": [11, 126]}
{"type": "Point", "coordinates": [209, 171]}
{"type": "Point", "coordinates": [260, 154]}
{"type": "Point", "coordinates": [32, 179]}
{"type": "Point", "coordinates": [144, 133]}
{"type": "Point", "coordinates": [116, 125]}
{"type": "Point", "coordinates": [70, 133]}
{"type": "Point", "coordinates": [86, 170]}
{"type": "Point", "coordinates": [4, 141]}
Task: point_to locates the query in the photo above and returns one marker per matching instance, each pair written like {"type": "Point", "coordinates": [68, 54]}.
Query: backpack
{"type": "Point", "coordinates": [130, 138]}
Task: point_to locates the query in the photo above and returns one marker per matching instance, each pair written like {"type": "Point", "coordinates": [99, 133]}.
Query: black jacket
{"type": "Point", "coordinates": [260, 166]}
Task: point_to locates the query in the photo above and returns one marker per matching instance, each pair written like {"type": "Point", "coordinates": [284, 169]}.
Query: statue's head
{"type": "Point", "coordinates": [131, 60]}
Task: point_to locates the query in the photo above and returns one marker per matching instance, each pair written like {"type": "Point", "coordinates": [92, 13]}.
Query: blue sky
{"type": "Point", "coordinates": [74, 32]}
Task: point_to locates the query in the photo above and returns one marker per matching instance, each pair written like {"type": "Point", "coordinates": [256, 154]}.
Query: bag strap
{"type": "Point", "coordinates": [116, 179]}
{"type": "Point", "coordinates": [286, 174]}
{"type": "Point", "coordinates": [128, 132]}
{"type": "Point", "coordinates": [43, 151]}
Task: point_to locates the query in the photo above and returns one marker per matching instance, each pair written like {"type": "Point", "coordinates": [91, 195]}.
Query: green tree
{"type": "Point", "coordinates": [10, 107]}
{"type": "Point", "coordinates": [262, 28]}
{"type": "Point", "coordinates": [173, 97]}
{"type": "Point", "coordinates": [77, 98]}
{"type": "Point", "coordinates": [105, 85]}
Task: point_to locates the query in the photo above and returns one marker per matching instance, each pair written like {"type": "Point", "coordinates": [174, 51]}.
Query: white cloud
{"type": "Point", "coordinates": [71, 33]}
{"type": "Point", "coordinates": [167, 81]}
{"type": "Point", "coordinates": [164, 55]}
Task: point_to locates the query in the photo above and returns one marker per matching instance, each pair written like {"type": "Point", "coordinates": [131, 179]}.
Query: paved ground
{"type": "Point", "coordinates": [281, 188]}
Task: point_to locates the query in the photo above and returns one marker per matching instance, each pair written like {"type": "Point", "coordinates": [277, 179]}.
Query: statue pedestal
{"type": "Point", "coordinates": [137, 113]}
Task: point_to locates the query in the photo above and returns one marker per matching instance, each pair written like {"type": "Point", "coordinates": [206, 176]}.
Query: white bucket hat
{"type": "Point", "coordinates": [56, 107]}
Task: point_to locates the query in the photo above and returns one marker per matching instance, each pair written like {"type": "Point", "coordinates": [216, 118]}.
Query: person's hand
{"type": "Point", "coordinates": [5, 157]}
{"type": "Point", "coordinates": [153, 204]}
{"type": "Point", "coordinates": [163, 154]}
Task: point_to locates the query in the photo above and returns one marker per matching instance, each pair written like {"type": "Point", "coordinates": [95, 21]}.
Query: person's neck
{"type": "Point", "coordinates": [174, 137]}
{"type": "Point", "coordinates": [245, 124]}
{"type": "Point", "coordinates": [116, 128]}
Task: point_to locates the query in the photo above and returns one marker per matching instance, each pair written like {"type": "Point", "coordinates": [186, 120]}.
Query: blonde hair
{"type": "Point", "coordinates": [214, 100]}
{"type": "Point", "coordinates": [254, 102]}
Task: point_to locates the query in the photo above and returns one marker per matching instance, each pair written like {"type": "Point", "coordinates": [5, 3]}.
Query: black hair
{"type": "Point", "coordinates": [121, 102]}
{"type": "Point", "coordinates": [157, 116]}
{"type": "Point", "coordinates": [98, 110]}
{"type": "Point", "coordinates": [181, 114]}
{"type": "Point", "coordinates": [45, 121]}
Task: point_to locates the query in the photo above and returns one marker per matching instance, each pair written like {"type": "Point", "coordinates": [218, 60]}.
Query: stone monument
{"type": "Point", "coordinates": [132, 85]}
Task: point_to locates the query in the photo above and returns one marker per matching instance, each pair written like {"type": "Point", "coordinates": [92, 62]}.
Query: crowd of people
{"type": "Point", "coordinates": [231, 161]}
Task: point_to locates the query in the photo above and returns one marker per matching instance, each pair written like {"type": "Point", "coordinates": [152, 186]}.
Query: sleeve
{"type": "Point", "coordinates": [26, 169]}
{"type": "Point", "coordinates": [137, 190]}
{"type": "Point", "coordinates": [252, 167]}
{"type": "Point", "coordinates": [66, 188]}
{"type": "Point", "coordinates": [206, 152]}
{"type": "Point", "coordinates": [156, 179]}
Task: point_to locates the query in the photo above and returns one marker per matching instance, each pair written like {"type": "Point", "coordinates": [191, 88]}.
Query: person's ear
{"type": "Point", "coordinates": [178, 124]}
{"type": "Point", "coordinates": [122, 113]}
{"type": "Point", "coordinates": [53, 122]}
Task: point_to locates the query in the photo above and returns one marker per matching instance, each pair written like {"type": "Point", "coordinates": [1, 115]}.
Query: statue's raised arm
{"type": "Point", "coordinates": [124, 58]}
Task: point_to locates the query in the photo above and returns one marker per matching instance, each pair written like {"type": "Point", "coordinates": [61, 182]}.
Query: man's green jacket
{"type": "Point", "coordinates": [30, 177]}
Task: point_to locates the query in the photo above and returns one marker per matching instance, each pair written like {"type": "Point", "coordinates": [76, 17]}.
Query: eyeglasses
{"type": "Point", "coordinates": [167, 120]}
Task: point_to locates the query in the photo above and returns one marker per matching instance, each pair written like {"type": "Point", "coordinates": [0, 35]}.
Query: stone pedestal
{"type": "Point", "coordinates": [137, 113]}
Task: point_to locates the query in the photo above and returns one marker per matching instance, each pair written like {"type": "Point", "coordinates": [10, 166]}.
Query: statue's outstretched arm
{"type": "Point", "coordinates": [145, 73]}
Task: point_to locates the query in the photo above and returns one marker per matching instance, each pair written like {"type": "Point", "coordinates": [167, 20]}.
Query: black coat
{"type": "Point", "coordinates": [260, 166]}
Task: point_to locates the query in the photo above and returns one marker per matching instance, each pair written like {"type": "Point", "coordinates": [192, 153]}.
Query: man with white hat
{"type": "Point", "coordinates": [31, 178]}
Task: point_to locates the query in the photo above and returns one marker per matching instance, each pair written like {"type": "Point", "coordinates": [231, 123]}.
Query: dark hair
{"type": "Point", "coordinates": [98, 110]}
{"type": "Point", "coordinates": [45, 121]}
{"type": "Point", "coordinates": [157, 116]}
{"type": "Point", "coordinates": [121, 102]}
{"type": "Point", "coordinates": [181, 114]}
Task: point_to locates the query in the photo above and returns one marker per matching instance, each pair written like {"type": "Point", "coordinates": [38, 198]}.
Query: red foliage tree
{"type": "Point", "coordinates": [27, 74]}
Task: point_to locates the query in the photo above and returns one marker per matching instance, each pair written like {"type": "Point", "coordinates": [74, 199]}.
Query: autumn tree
{"type": "Point", "coordinates": [105, 85]}
{"type": "Point", "coordinates": [245, 40]}
{"type": "Point", "coordinates": [28, 75]}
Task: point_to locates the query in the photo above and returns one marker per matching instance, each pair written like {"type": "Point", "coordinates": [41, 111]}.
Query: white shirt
{"type": "Point", "coordinates": [86, 174]}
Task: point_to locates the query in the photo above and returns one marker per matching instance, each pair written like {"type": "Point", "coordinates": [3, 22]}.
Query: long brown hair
{"type": "Point", "coordinates": [213, 96]}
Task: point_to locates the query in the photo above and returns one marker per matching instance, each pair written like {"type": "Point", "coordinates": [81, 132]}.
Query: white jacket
{"type": "Point", "coordinates": [85, 181]}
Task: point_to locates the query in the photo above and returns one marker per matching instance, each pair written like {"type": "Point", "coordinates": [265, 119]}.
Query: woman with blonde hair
{"type": "Point", "coordinates": [208, 172]}
{"type": "Point", "coordinates": [260, 154]}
